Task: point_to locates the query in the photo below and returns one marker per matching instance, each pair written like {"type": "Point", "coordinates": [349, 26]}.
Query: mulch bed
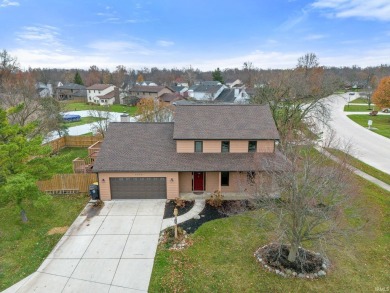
{"type": "Point", "coordinates": [307, 264]}
{"type": "Point", "coordinates": [170, 206]}
{"type": "Point", "coordinates": [209, 213]}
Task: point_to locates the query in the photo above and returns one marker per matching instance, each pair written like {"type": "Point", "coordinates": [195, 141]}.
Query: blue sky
{"type": "Point", "coordinates": [204, 34]}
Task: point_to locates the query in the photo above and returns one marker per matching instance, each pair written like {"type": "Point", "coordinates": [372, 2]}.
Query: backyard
{"type": "Point", "coordinates": [83, 120]}
{"type": "Point", "coordinates": [221, 257]}
{"type": "Point", "coordinates": [380, 123]}
{"type": "Point", "coordinates": [71, 106]}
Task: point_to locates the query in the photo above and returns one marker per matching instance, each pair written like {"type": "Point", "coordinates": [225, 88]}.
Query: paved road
{"type": "Point", "coordinates": [366, 145]}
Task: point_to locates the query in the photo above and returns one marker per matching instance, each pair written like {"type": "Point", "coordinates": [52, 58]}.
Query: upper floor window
{"type": "Point", "coordinates": [225, 146]}
{"type": "Point", "coordinates": [198, 146]}
{"type": "Point", "coordinates": [252, 146]}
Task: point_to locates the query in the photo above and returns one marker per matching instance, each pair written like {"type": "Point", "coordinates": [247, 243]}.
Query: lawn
{"type": "Point", "coordinates": [361, 166]}
{"type": "Point", "coordinates": [69, 106]}
{"type": "Point", "coordinates": [221, 258]}
{"type": "Point", "coordinates": [380, 123]}
{"type": "Point", "coordinates": [23, 247]}
{"type": "Point", "coordinates": [359, 108]}
{"type": "Point", "coordinates": [60, 163]}
{"type": "Point", "coordinates": [83, 120]}
{"type": "Point", "coordinates": [359, 101]}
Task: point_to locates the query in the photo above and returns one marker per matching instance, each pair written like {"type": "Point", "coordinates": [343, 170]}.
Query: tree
{"type": "Point", "coordinates": [17, 146]}
{"type": "Point", "coordinates": [140, 78]}
{"type": "Point", "coordinates": [151, 110]}
{"type": "Point", "coordinates": [217, 75]}
{"type": "Point", "coordinates": [101, 125]}
{"type": "Point", "coordinates": [8, 65]}
{"type": "Point", "coordinates": [381, 96]}
{"type": "Point", "coordinates": [93, 76]}
{"type": "Point", "coordinates": [311, 194]}
{"type": "Point", "coordinates": [308, 61]}
{"type": "Point", "coordinates": [77, 79]}
{"type": "Point", "coordinates": [297, 97]}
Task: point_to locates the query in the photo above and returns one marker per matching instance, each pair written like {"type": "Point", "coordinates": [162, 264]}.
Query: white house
{"type": "Point", "coordinates": [207, 90]}
{"type": "Point", "coordinates": [101, 94]}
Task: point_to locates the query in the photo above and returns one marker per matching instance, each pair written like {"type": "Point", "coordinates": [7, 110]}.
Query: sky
{"type": "Point", "coordinates": [203, 34]}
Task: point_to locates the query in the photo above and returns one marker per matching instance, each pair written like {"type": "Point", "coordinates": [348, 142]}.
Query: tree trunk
{"type": "Point", "coordinates": [293, 253]}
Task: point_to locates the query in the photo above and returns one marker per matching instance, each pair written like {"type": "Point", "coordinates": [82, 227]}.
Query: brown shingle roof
{"type": "Point", "coordinates": [224, 122]}
{"type": "Point", "coordinates": [142, 147]}
{"type": "Point", "coordinates": [148, 89]}
{"type": "Point", "coordinates": [99, 86]}
{"type": "Point", "coordinates": [107, 96]}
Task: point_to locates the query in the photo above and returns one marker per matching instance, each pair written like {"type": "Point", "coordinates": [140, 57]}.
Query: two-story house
{"type": "Point", "coordinates": [71, 91]}
{"type": "Point", "coordinates": [206, 90]}
{"type": "Point", "coordinates": [206, 148]}
{"type": "Point", "coordinates": [149, 91]}
{"type": "Point", "coordinates": [101, 94]}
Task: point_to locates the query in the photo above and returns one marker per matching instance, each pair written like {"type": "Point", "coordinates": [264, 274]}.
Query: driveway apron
{"type": "Point", "coordinates": [111, 250]}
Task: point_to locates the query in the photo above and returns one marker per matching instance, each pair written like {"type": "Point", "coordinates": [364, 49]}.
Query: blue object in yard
{"type": "Point", "coordinates": [71, 118]}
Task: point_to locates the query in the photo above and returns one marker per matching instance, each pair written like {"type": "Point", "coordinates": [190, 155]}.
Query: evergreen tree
{"type": "Point", "coordinates": [217, 75]}
{"type": "Point", "coordinates": [77, 79]}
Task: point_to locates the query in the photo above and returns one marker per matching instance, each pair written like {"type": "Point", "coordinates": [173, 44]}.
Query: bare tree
{"type": "Point", "coordinates": [8, 65]}
{"type": "Point", "coordinates": [101, 125]}
{"type": "Point", "coordinates": [312, 193]}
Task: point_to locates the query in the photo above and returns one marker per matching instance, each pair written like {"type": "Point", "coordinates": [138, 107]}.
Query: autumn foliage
{"type": "Point", "coordinates": [381, 96]}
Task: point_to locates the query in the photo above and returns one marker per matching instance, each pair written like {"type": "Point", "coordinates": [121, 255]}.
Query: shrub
{"type": "Point", "coordinates": [215, 199]}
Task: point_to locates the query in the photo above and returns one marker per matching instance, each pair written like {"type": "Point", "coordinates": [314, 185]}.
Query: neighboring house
{"type": "Point", "coordinates": [71, 91]}
{"type": "Point", "coordinates": [207, 148]}
{"type": "Point", "coordinates": [146, 83]}
{"type": "Point", "coordinates": [207, 90]}
{"type": "Point", "coordinates": [233, 95]}
{"type": "Point", "coordinates": [101, 94]}
{"type": "Point", "coordinates": [149, 91]}
{"type": "Point", "coordinates": [179, 89]}
{"type": "Point", "coordinates": [235, 83]}
{"type": "Point", "coordinates": [44, 90]}
{"type": "Point", "coordinates": [170, 98]}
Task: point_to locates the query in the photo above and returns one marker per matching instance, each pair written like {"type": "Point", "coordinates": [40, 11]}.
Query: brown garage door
{"type": "Point", "coordinates": [138, 187]}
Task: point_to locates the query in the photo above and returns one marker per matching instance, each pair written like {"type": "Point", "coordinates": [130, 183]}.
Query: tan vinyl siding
{"type": "Point", "coordinates": [237, 182]}
{"type": "Point", "coordinates": [212, 181]}
{"type": "Point", "coordinates": [185, 181]}
{"type": "Point", "coordinates": [212, 146]}
{"type": "Point", "coordinates": [239, 146]}
{"type": "Point", "coordinates": [265, 146]}
{"type": "Point", "coordinates": [185, 146]}
{"type": "Point", "coordinates": [172, 186]}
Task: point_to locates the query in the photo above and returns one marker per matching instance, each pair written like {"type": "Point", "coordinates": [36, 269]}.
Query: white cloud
{"type": "Point", "coordinates": [368, 9]}
{"type": "Point", "coordinates": [6, 3]}
{"type": "Point", "coordinates": [163, 43]}
{"type": "Point", "coordinates": [44, 35]}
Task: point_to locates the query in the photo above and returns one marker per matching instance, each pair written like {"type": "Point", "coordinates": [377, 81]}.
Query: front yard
{"type": "Point", "coordinates": [24, 246]}
{"type": "Point", "coordinates": [71, 106]}
{"type": "Point", "coordinates": [380, 125]}
{"type": "Point", "coordinates": [359, 108]}
{"type": "Point", "coordinates": [221, 258]}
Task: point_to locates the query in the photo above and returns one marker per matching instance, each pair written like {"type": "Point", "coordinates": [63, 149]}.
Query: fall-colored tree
{"type": "Point", "coordinates": [140, 78]}
{"type": "Point", "coordinates": [119, 75]}
{"type": "Point", "coordinates": [93, 76]}
{"type": "Point", "coordinates": [381, 96]}
{"type": "Point", "coordinates": [151, 110]}
{"type": "Point", "coordinates": [77, 79]}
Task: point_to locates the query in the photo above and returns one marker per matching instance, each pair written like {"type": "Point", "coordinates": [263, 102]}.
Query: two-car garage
{"type": "Point", "coordinates": [138, 187]}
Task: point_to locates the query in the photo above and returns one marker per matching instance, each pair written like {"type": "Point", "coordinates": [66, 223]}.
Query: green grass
{"type": "Point", "coordinates": [380, 123]}
{"type": "Point", "coordinates": [221, 258]}
{"type": "Point", "coordinates": [361, 166]}
{"type": "Point", "coordinates": [359, 108]}
{"type": "Point", "coordinates": [24, 246]}
{"type": "Point", "coordinates": [83, 120]}
{"type": "Point", "coordinates": [359, 101]}
{"type": "Point", "coordinates": [113, 108]}
{"type": "Point", "coordinates": [60, 163]}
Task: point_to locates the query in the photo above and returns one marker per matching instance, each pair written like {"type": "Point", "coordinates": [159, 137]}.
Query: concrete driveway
{"type": "Point", "coordinates": [367, 146]}
{"type": "Point", "coordinates": [110, 251]}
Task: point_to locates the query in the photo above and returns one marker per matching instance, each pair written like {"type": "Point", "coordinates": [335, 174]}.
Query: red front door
{"type": "Point", "coordinates": [198, 181]}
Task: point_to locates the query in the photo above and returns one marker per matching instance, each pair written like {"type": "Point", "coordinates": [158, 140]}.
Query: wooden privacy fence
{"type": "Point", "coordinates": [73, 141]}
{"type": "Point", "coordinates": [67, 183]}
